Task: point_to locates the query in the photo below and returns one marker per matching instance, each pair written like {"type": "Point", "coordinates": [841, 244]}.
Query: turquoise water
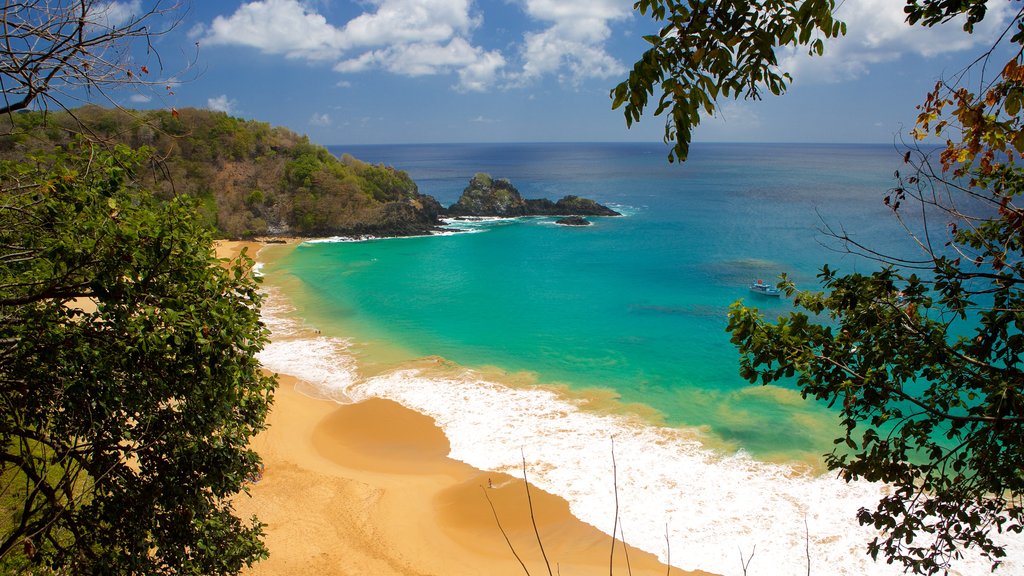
{"type": "Point", "coordinates": [637, 304]}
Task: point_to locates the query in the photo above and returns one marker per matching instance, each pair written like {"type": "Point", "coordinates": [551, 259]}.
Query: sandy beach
{"type": "Point", "coordinates": [368, 488]}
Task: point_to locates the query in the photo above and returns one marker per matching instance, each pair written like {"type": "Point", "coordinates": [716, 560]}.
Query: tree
{"type": "Point", "coordinates": [924, 358]}
{"type": "Point", "coordinates": [709, 49]}
{"type": "Point", "coordinates": [54, 50]}
{"type": "Point", "coordinates": [125, 424]}
{"type": "Point", "coordinates": [129, 387]}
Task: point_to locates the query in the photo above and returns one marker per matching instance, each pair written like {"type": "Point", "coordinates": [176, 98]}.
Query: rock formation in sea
{"type": "Point", "coordinates": [573, 221]}
{"type": "Point", "coordinates": [486, 196]}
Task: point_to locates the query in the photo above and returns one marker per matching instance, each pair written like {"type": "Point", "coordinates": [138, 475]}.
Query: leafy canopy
{"type": "Point", "coordinates": [124, 421]}
{"type": "Point", "coordinates": [711, 49]}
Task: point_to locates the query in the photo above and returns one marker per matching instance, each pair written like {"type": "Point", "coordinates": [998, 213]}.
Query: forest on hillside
{"type": "Point", "coordinates": [246, 178]}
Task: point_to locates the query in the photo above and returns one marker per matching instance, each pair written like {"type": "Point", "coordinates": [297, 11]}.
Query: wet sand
{"type": "Point", "coordinates": [368, 489]}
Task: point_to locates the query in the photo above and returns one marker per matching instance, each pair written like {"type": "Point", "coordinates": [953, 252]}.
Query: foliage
{"type": "Point", "coordinates": [924, 358]}
{"type": "Point", "coordinates": [221, 160]}
{"type": "Point", "coordinates": [711, 49]}
{"type": "Point", "coordinates": [124, 424]}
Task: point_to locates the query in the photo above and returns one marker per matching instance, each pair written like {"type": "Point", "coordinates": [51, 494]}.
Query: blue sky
{"type": "Point", "coordinates": [428, 71]}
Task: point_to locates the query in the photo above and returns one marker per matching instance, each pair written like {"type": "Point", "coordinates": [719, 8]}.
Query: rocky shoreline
{"type": "Point", "coordinates": [484, 197]}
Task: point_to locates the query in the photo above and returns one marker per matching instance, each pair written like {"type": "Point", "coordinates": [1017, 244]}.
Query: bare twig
{"type": "Point", "coordinates": [807, 544]}
{"type": "Point", "coordinates": [615, 526]}
{"type": "Point", "coordinates": [746, 563]}
{"type": "Point", "coordinates": [668, 552]}
{"type": "Point", "coordinates": [533, 519]}
{"type": "Point", "coordinates": [503, 533]}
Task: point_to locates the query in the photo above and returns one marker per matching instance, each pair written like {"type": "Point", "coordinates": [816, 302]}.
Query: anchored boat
{"type": "Point", "coordinates": [759, 287]}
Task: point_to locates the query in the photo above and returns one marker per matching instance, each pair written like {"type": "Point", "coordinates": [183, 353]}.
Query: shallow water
{"type": "Point", "coordinates": [562, 345]}
{"type": "Point", "coordinates": [636, 305]}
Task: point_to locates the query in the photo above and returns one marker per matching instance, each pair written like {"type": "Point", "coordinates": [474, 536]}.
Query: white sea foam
{"type": "Point", "coordinates": [713, 506]}
{"type": "Point", "coordinates": [471, 219]}
{"type": "Point", "coordinates": [322, 362]}
{"type": "Point", "coordinates": [626, 209]}
{"type": "Point", "coordinates": [343, 239]}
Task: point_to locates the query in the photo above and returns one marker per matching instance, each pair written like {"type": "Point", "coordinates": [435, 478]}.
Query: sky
{"type": "Point", "coordinates": [439, 71]}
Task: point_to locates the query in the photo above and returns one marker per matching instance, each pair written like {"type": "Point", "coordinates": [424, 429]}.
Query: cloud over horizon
{"type": "Point", "coordinates": [572, 46]}
{"type": "Point", "coordinates": [221, 104]}
{"type": "Point", "coordinates": [430, 37]}
{"type": "Point", "coordinates": [406, 37]}
{"type": "Point", "coordinates": [564, 39]}
{"type": "Point", "coordinates": [877, 32]}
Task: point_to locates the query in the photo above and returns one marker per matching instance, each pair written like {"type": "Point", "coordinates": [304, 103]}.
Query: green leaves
{"type": "Point", "coordinates": [937, 415]}
{"type": "Point", "coordinates": [149, 399]}
{"type": "Point", "coordinates": [717, 48]}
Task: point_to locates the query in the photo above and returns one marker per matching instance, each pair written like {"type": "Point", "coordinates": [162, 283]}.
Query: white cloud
{"type": "Point", "coordinates": [109, 14]}
{"type": "Point", "coordinates": [278, 27]}
{"type": "Point", "coordinates": [476, 68]}
{"type": "Point", "coordinates": [410, 21]}
{"type": "Point", "coordinates": [221, 104]}
{"type": "Point", "coordinates": [430, 37]}
{"type": "Point", "coordinates": [140, 98]}
{"type": "Point", "coordinates": [573, 44]}
{"type": "Point", "coordinates": [427, 37]}
{"type": "Point", "coordinates": [320, 119]}
{"type": "Point", "coordinates": [877, 32]}
{"type": "Point", "coordinates": [408, 37]}
{"type": "Point", "coordinates": [197, 31]}
{"type": "Point", "coordinates": [478, 75]}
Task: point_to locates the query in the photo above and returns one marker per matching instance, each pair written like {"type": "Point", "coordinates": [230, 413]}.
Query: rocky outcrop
{"type": "Point", "coordinates": [488, 197]}
{"type": "Point", "coordinates": [568, 206]}
{"type": "Point", "coordinates": [573, 221]}
{"type": "Point", "coordinates": [415, 216]}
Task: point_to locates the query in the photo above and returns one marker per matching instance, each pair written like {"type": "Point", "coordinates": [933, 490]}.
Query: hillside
{"type": "Point", "coordinates": [248, 178]}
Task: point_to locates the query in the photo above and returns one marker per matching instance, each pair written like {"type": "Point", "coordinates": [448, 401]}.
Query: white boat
{"type": "Point", "coordinates": [759, 287]}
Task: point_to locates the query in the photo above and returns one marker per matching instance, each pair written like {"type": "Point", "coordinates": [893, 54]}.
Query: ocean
{"type": "Point", "coordinates": [564, 345]}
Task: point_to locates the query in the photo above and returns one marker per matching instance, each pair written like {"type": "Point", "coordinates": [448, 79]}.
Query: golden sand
{"type": "Point", "coordinates": [368, 489]}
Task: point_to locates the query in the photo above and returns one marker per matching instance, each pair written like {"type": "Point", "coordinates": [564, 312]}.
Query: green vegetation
{"type": "Point", "coordinates": [924, 359]}
{"type": "Point", "coordinates": [124, 428]}
{"type": "Point", "coordinates": [247, 177]}
{"type": "Point", "coordinates": [709, 49]}
{"type": "Point", "coordinates": [129, 386]}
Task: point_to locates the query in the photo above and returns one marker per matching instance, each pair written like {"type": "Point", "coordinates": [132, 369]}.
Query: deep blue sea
{"type": "Point", "coordinates": [522, 333]}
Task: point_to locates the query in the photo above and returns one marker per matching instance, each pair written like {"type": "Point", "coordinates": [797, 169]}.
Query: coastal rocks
{"type": "Point", "coordinates": [568, 206]}
{"type": "Point", "coordinates": [573, 221]}
{"type": "Point", "coordinates": [487, 197]}
{"type": "Point", "coordinates": [499, 198]}
{"type": "Point", "coordinates": [415, 215]}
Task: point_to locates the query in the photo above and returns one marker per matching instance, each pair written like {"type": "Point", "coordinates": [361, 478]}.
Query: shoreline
{"type": "Point", "coordinates": [368, 488]}
{"type": "Point", "coordinates": [673, 487]}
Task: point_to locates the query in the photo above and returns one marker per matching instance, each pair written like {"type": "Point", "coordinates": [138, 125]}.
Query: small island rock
{"type": "Point", "coordinates": [573, 221]}
{"type": "Point", "coordinates": [486, 196]}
